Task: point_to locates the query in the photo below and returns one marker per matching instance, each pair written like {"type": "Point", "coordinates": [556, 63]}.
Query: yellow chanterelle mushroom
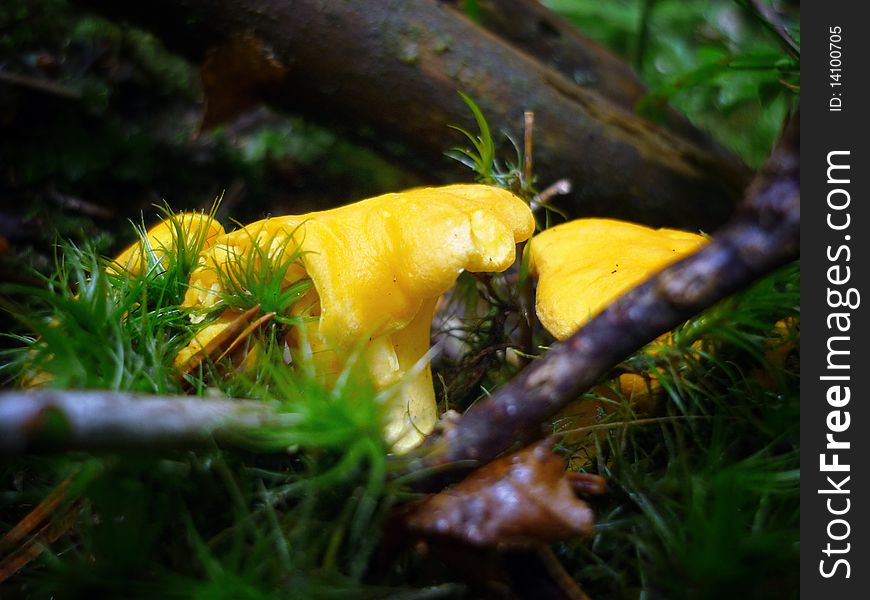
{"type": "Point", "coordinates": [584, 265]}
{"type": "Point", "coordinates": [377, 268]}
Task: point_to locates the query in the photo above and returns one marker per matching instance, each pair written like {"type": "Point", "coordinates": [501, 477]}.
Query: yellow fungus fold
{"type": "Point", "coordinates": [584, 265]}
{"type": "Point", "coordinates": [377, 268]}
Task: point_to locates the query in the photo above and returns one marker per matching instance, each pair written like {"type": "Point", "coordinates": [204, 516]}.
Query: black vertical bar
{"type": "Point", "coordinates": [835, 213]}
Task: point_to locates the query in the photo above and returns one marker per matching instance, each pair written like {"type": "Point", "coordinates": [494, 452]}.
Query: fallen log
{"type": "Point", "coordinates": [388, 72]}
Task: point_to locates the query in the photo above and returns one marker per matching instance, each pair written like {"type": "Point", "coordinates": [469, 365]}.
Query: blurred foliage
{"type": "Point", "coordinates": [716, 61]}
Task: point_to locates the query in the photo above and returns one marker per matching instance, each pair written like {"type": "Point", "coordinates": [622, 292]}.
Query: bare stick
{"type": "Point", "coordinates": [528, 133]}
{"type": "Point", "coordinates": [770, 19]}
{"type": "Point", "coordinates": [764, 235]}
{"type": "Point", "coordinates": [40, 85]}
{"type": "Point", "coordinates": [42, 420]}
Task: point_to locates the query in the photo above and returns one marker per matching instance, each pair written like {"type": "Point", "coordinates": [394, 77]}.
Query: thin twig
{"type": "Point", "coordinates": [45, 420]}
{"type": "Point", "coordinates": [559, 188]}
{"type": "Point", "coordinates": [764, 235]}
{"type": "Point", "coordinates": [49, 520]}
{"type": "Point", "coordinates": [528, 135]}
{"type": "Point", "coordinates": [66, 201]}
{"type": "Point", "coordinates": [47, 534]}
{"type": "Point", "coordinates": [40, 85]}
{"type": "Point", "coordinates": [618, 424]}
{"type": "Point", "coordinates": [569, 588]}
{"type": "Point", "coordinates": [36, 517]}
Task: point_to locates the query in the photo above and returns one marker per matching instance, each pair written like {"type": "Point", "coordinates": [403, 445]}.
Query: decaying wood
{"type": "Point", "coordinates": [533, 28]}
{"type": "Point", "coordinates": [389, 71]}
{"type": "Point", "coordinates": [764, 235]}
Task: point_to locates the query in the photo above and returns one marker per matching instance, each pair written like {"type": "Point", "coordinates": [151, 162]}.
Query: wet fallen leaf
{"type": "Point", "coordinates": [519, 501]}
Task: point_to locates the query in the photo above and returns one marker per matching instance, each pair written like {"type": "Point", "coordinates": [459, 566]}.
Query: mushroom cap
{"type": "Point", "coordinates": [583, 265]}
{"type": "Point", "coordinates": [377, 267]}
{"type": "Point", "coordinates": [374, 262]}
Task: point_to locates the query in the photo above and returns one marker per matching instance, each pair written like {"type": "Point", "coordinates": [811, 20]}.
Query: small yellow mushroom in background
{"type": "Point", "coordinates": [584, 265]}
{"type": "Point", "coordinates": [377, 267]}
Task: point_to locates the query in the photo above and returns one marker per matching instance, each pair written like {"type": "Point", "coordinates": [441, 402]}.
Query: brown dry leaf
{"type": "Point", "coordinates": [234, 77]}
{"type": "Point", "coordinates": [519, 501]}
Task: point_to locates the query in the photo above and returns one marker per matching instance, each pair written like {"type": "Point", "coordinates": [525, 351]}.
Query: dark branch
{"type": "Point", "coordinates": [553, 40]}
{"type": "Point", "coordinates": [536, 30]}
{"type": "Point", "coordinates": [770, 19]}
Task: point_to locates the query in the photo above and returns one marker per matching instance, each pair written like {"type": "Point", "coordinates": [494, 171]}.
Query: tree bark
{"type": "Point", "coordinates": [388, 72]}
{"type": "Point", "coordinates": [539, 32]}
{"type": "Point", "coordinates": [557, 43]}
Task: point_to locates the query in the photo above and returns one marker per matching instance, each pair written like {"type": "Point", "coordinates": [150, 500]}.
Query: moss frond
{"type": "Point", "coordinates": [706, 498]}
{"type": "Point", "coordinates": [261, 275]}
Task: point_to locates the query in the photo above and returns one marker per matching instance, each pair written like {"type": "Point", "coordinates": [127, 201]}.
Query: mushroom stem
{"type": "Point", "coordinates": [764, 235]}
